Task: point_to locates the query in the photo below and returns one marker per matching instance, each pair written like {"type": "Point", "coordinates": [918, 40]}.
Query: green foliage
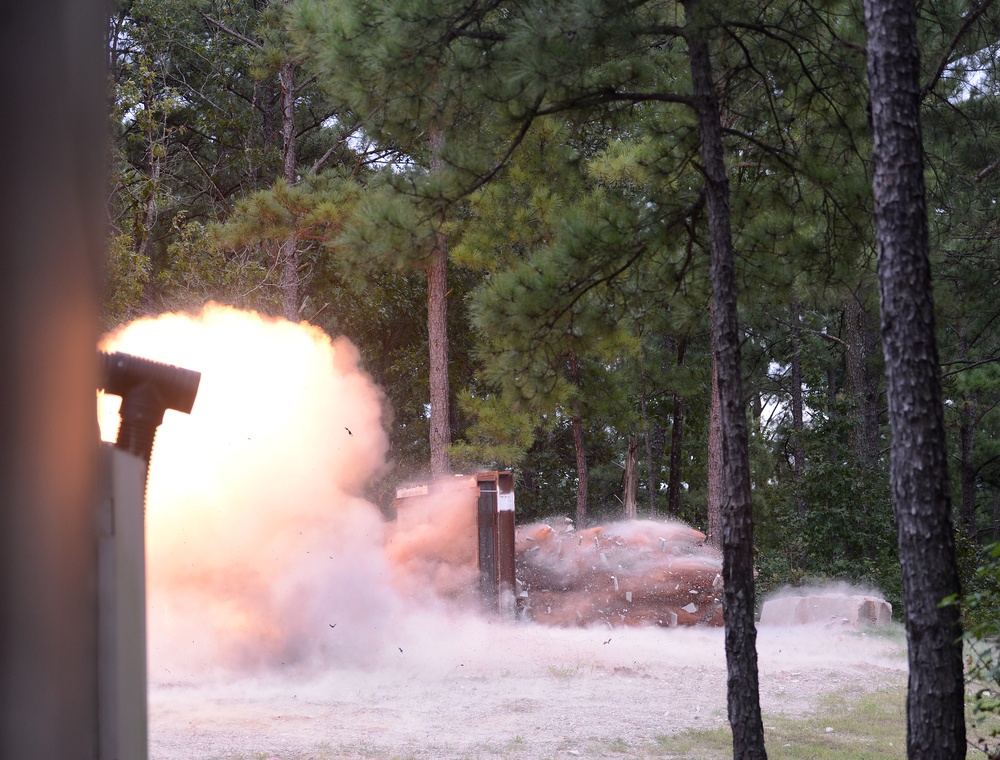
{"type": "Point", "coordinates": [981, 626]}
{"type": "Point", "coordinates": [125, 276]}
{"type": "Point", "coordinates": [498, 437]}
{"type": "Point", "coordinates": [845, 530]}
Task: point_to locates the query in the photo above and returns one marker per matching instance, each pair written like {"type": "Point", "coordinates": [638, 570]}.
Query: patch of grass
{"type": "Point", "coordinates": [619, 745]}
{"type": "Point", "coordinates": [984, 728]}
{"type": "Point", "coordinates": [872, 725]}
{"type": "Point", "coordinates": [564, 671]}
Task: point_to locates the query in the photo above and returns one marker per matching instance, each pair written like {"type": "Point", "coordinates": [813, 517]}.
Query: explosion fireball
{"type": "Point", "coordinates": [258, 539]}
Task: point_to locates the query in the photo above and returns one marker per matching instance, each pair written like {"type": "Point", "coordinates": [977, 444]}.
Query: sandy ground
{"type": "Point", "coordinates": [469, 689]}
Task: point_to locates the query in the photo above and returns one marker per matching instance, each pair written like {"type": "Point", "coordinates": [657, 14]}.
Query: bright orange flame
{"type": "Point", "coordinates": [258, 540]}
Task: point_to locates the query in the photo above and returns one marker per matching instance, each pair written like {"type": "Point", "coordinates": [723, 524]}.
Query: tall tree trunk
{"type": "Point", "coordinates": [737, 516]}
{"type": "Point", "coordinates": [716, 465]}
{"type": "Point", "coordinates": [150, 212]}
{"type": "Point", "coordinates": [582, 475]}
{"type": "Point", "coordinates": [631, 477]}
{"type": "Point", "coordinates": [677, 444]}
{"type": "Point", "coordinates": [288, 251]}
{"type": "Point", "coordinates": [862, 383]}
{"type": "Point", "coordinates": [918, 463]}
{"type": "Point", "coordinates": [437, 332]}
{"type": "Point", "coordinates": [996, 516]}
{"type": "Point", "coordinates": [676, 449]}
{"type": "Point", "coordinates": [969, 416]}
{"type": "Point", "coordinates": [144, 249]}
{"type": "Point", "coordinates": [798, 421]}
{"type": "Point", "coordinates": [437, 336]}
{"type": "Point", "coordinates": [967, 436]}
{"type": "Point", "coordinates": [651, 468]}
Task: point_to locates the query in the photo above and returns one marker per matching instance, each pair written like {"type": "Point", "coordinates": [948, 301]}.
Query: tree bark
{"type": "Point", "coordinates": [969, 417]}
{"type": "Point", "coordinates": [996, 516]}
{"type": "Point", "coordinates": [918, 464]}
{"type": "Point", "coordinates": [437, 333]}
{"type": "Point", "coordinates": [437, 337]}
{"type": "Point", "coordinates": [862, 383]}
{"type": "Point", "coordinates": [651, 470]}
{"type": "Point", "coordinates": [737, 517]}
{"type": "Point", "coordinates": [716, 467]}
{"type": "Point", "coordinates": [289, 248]}
{"type": "Point", "coordinates": [967, 435]}
{"type": "Point", "coordinates": [798, 415]}
{"type": "Point", "coordinates": [677, 444]}
{"type": "Point", "coordinates": [631, 478]}
{"type": "Point", "coordinates": [582, 475]}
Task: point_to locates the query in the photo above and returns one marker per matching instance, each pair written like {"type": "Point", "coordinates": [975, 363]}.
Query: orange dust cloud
{"type": "Point", "coordinates": [433, 545]}
{"type": "Point", "coordinates": [637, 572]}
{"type": "Point", "coordinates": [260, 548]}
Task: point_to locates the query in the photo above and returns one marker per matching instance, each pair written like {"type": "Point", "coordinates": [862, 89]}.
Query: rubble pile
{"type": "Point", "coordinates": [639, 572]}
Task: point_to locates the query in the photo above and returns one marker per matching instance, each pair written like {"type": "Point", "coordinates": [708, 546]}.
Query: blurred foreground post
{"type": "Point", "coordinates": [52, 150]}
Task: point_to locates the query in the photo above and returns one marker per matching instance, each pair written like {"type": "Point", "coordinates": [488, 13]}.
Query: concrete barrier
{"type": "Point", "coordinates": [829, 609]}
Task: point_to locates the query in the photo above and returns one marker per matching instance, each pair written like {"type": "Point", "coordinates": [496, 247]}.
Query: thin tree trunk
{"type": "Point", "coordinates": [677, 445]}
{"type": "Point", "coordinates": [967, 436]}
{"type": "Point", "coordinates": [582, 475]}
{"type": "Point", "coordinates": [716, 466]}
{"type": "Point", "coordinates": [631, 478]}
{"type": "Point", "coordinates": [651, 470]}
{"type": "Point", "coordinates": [918, 450]}
{"type": "Point", "coordinates": [737, 516]}
{"type": "Point", "coordinates": [676, 448]}
{"type": "Point", "coordinates": [969, 415]}
{"type": "Point", "coordinates": [437, 331]}
{"type": "Point", "coordinates": [289, 248]}
{"type": "Point", "coordinates": [437, 334]}
{"type": "Point", "coordinates": [798, 421]}
{"type": "Point", "coordinates": [862, 384]}
{"type": "Point", "coordinates": [145, 246]}
{"type": "Point", "coordinates": [996, 516]}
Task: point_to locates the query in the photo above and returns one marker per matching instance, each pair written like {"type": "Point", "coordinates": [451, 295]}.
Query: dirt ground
{"type": "Point", "coordinates": [467, 689]}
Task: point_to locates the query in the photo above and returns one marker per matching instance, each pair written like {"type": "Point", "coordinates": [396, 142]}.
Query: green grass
{"type": "Point", "coordinates": [872, 725]}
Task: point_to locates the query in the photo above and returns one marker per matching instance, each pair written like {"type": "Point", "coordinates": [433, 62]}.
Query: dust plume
{"type": "Point", "coordinates": [432, 546]}
{"type": "Point", "coordinates": [260, 548]}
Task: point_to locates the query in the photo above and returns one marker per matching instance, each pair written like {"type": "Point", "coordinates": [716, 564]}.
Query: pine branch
{"type": "Point", "coordinates": [945, 59]}
{"type": "Point", "coordinates": [820, 333]}
{"type": "Point", "coordinates": [987, 171]}
{"type": "Point", "coordinates": [231, 32]}
{"type": "Point", "coordinates": [967, 365]}
{"type": "Point", "coordinates": [206, 175]}
{"type": "Point", "coordinates": [615, 96]}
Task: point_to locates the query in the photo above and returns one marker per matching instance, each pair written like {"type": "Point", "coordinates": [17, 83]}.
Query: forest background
{"type": "Point", "coordinates": [517, 242]}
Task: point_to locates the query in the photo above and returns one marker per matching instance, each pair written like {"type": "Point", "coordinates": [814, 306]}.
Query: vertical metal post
{"type": "Point", "coordinates": [52, 190]}
{"type": "Point", "coordinates": [121, 622]}
{"type": "Point", "coordinates": [506, 592]}
{"type": "Point", "coordinates": [487, 542]}
{"type": "Point", "coordinates": [495, 521]}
